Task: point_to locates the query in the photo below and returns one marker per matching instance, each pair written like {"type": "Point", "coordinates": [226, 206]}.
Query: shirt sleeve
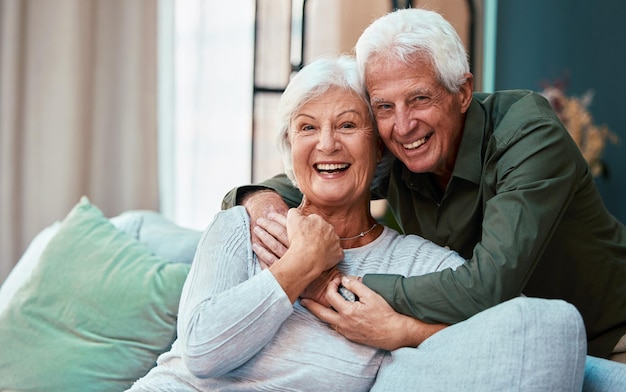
{"type": "Point", "coordinates": [530, 178]}
{"type": "Point", "coordinates": [223, 300]}
{"type": "Point", "coordinates": [279, 183]}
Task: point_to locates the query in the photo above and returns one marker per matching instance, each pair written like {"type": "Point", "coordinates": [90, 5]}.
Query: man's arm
{"type": "Point", "coordinates": [279, 184]}
{"type": "Point", "coordinates": [535, 175]}
{"type": "Point", "coordinates": [370, 320]}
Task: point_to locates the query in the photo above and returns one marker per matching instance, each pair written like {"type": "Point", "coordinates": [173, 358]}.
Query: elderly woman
{"type": "Point", "coordinates": [242, 327]}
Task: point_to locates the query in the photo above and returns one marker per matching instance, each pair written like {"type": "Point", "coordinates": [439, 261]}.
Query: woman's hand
{"type": "Point", "coordinates": [316, 290]}
{"type": "Point", "coordinates": [313, 241]}
{"type": "Point", "coordinates": [268, 232]}
{"type": "Point", "coordinates": [370, 320]}
{"type": "Point", "coordinates": [313, 248]}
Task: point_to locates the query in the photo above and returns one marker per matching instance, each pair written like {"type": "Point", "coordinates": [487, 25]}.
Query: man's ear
{"type": "Point", "coordinates": [465, 92]}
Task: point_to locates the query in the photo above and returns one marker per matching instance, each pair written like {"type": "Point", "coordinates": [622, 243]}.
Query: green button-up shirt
{"type": "Point", "coordinates": [522, 208]}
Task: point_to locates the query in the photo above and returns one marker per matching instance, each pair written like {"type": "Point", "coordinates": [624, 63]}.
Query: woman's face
{"type": "Point", "coordinates": [334, 149]}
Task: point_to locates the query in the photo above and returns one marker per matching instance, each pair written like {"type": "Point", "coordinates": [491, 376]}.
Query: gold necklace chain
{"type": "Point", "coordinates": [361, 234]}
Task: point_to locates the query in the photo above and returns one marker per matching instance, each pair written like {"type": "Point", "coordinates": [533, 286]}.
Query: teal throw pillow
{"type": "Point", "coordinates": [97, 311]}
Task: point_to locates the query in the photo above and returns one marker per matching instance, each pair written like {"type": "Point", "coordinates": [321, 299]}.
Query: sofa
{"type": "Point", "coordinates": [93, 301]}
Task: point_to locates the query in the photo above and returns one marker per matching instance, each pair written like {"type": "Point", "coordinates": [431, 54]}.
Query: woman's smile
{"type": "Point", "coordinates": [331, 168]}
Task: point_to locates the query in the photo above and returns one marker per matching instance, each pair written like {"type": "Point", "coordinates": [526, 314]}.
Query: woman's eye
{"type": "Point", "coordinates": [307, 128]}
{"type": "Point", "coordinates": [347, 127]}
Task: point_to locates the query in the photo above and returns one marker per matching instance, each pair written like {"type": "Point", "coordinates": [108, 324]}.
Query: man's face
{"type": "Point", "coordinates": [418, 119]}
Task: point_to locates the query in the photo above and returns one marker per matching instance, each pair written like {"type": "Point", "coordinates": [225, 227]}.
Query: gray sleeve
{"type": "Point", "coordinates": [224, 301]}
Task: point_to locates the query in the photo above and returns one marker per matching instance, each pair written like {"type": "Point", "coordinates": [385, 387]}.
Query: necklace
{"type": "Point", "coordinates": [362, 234]}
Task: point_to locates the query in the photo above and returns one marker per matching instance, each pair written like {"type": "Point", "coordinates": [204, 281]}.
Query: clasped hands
{"type": "Point", "coordinates": [370, 320]}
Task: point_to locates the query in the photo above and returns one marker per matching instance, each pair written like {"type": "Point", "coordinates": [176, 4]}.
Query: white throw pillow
{"type": "Point", "coordinates": [25, 265]}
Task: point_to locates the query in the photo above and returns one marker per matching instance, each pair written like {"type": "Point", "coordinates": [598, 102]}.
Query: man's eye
{"type": "Point", "coordinates": [382, 108]}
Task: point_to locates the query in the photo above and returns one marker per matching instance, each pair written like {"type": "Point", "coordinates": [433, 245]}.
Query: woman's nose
{"type": "Point", "coordinates": [328, 140]}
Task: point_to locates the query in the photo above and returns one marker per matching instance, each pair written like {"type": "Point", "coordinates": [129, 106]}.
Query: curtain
{"type": "Point", "coordinates": [77, 112]}
{"type": "Point", "coordinates": [213, 49]}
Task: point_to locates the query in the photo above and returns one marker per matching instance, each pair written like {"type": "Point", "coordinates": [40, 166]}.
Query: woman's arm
{"type": "Point", "coordinates": [229, 310]}
{"type": "Point", "coordinates": [227, 314]}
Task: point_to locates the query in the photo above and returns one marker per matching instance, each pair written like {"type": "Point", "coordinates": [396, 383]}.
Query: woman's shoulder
{"type": "Point", "coordinates": [233, 216]}
{"type": "Point", "coordinates": [391, 235]}
{"type": "Point", "coordinates": [395, 244]}
{"type": "Point", "coordinates": [419, 248]}
{"type": "Point", "coordinates": [229, 224]}
{"type": "Point", "coordinates": [396, 253]}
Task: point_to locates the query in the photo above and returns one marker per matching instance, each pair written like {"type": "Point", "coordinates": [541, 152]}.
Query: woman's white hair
{"type": "Point", "coordinates": [310, 82]}
{"type": "Point", "coordinates": [415, 34]}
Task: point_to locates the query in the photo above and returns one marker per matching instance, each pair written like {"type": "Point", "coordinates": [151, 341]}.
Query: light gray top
{"type": "Point", "coordinates": [238, 331]}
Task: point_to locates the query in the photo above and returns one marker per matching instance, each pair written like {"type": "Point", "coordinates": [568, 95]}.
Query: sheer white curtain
{"type": "Point", "coordinates": [77, 112]}
{"type": "Point", "coordinates": [210, 141]}
{"type": "Point", "coordinates": [205, 104]}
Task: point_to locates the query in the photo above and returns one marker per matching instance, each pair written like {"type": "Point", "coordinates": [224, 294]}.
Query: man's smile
{"type": "Point", "coordinates": [417, 143]}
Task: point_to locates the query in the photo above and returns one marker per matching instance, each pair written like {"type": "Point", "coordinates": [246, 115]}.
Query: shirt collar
{"type": "Point", "coordinates": [469, 158]}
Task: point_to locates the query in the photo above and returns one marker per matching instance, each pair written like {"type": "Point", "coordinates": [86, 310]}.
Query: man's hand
{"type": "Point", "coordinates": [370, 320]}
{"type": "Point", "coordinates": [268, 213]}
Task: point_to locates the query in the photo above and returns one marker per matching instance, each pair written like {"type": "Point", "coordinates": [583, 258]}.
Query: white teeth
{"type": "Point", "coordinates": [331, 166]}
{"type": "Point", "coordinates": [415, 144]}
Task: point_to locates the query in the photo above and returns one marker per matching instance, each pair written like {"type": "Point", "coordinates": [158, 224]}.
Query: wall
{"type": "Point", "coordinates": [578, 41]}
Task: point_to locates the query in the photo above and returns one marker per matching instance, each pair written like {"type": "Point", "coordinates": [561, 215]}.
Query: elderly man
{"type": "Point", "coordinates": [495, 177]}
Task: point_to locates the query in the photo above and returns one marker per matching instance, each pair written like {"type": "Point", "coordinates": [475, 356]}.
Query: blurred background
{"type": "Point", "coordinates": [168, 104]}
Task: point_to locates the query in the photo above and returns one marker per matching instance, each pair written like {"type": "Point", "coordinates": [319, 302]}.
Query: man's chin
{"type": "Point", "coordinates": [417, 165]}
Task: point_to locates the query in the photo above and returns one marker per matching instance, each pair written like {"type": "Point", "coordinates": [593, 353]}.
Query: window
{"type": "Point", "coordinates": [222, 67]}
{"type": "Point", "coordinates": [206, 74]}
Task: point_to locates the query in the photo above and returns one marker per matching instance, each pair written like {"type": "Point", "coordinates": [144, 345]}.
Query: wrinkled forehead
{"type": "Point", "coordinates": [334, 99]}
{"type": "Point", "coordinates": [390, 62]}
{"type": "Point", "coordinates": [385, 75]}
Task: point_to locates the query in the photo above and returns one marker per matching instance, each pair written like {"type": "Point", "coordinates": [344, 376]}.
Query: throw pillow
{"type": "Point", "coordinates": [162, 236]}
{"type": "Point", "coordinates": [26, 264]}
{"type": "Point", "coordinates": [97, 311]}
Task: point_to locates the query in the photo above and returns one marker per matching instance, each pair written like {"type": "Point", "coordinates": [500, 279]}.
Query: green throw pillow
{"type": "Point", "coordinates": [96, 313]}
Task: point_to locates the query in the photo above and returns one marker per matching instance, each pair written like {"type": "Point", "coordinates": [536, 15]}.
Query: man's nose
{"type": "Point", "coordinates": [404, 121]}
